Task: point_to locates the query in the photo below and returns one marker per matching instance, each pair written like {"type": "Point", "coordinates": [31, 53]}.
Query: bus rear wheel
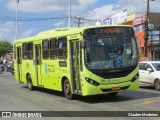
{"type": "Point", "coordinates": [67, 90]}
{"type": "Point", "coordinates": [29, 82]}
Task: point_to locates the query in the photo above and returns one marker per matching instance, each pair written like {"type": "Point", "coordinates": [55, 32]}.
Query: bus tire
{"type": "Point", "coordinates": [157, 84]}
{"type": "Point", "coordinates": [29, 82]}
{"type": "Point", "coordinates": [67, 90]}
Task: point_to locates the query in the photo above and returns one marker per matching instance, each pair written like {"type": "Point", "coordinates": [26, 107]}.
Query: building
{"type": "Point", "coordinates": [148, 37]}
{"type": "Point", "coordinates": [146, 31]}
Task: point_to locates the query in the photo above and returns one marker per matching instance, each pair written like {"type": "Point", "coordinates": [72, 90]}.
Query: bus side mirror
{"type": "Point", "coordinates": [83, 44]}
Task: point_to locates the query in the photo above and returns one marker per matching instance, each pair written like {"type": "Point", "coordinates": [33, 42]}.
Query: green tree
{"type": "Point", "coordinates": [5, 47]}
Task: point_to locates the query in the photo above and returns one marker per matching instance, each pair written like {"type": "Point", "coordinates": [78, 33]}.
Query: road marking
{"type": "Point", "coordinates": [150, 102]}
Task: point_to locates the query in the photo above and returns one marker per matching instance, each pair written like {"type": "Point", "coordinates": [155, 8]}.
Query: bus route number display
{"type": "Point", "coordinates": [109, 30]}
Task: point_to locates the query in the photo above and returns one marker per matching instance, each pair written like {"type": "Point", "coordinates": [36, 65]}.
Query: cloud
{"type": "Point", "coordinates": [59, 24]}
{"type": "Point", "coordinates": [8, 29]}
{"type": "Point", "coordinates": [27, 33]}
{"type": "Point", "coordinates": [101, 12]}
{"type": "Point", "coordinates": [43, 6]}
{"type": "Point", "coordinates": [132, 6]}
{"type": "Point", "coordinates": [79, 8]}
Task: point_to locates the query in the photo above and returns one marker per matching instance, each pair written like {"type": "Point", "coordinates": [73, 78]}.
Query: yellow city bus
{"type": "Point", "coordinates": [79, 61]}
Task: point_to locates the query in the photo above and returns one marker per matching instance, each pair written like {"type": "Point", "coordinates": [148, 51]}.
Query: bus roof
{"type": "Point", "coordinates": [62, 32]}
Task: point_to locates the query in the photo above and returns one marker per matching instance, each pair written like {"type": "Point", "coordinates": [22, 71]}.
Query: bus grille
{"type": "Point", "coordinates": [108, 75]}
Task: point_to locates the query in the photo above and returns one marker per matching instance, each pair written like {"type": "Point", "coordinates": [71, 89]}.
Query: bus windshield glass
{"type": "Point", "coordinates": [111, 52]}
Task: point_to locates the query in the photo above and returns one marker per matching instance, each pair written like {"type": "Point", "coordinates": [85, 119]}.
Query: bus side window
{"type": "Point", "coordinates": [30, 51]}
{"type": "Point", "coordinates": [53, 48]}
{"type": "Point", "coordinates": [45, 47]}
{"type": "Point", "coordinates": [15, 52]}
{"type": "Point", "coordinates": [24, 51]}
{"type": "Point", "coordinates": [62, 48]}
{"type": "Point", "coordinates": [27, 49]}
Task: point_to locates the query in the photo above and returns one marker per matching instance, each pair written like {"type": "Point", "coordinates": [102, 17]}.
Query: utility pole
{"type": "Point", "coordinates": [146, 29]}
{"type": "Point", "coordinates": [79, 20]}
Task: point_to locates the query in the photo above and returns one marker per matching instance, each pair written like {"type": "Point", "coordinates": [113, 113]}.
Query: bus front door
{"type": "Point", "coordinates": [38, 64]}
{"type": "Point", "coordinates": [75, 66]}
{"type": "Point", "coordinates": [19, 64]}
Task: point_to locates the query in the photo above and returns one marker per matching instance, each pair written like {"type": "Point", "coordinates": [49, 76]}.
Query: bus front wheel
{"type": "Point", "coordinates": [29, 82]}
{"type": "Point", "coordinates": [67, 90]}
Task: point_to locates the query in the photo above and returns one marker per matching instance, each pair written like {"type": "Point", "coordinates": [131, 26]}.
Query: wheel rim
{"type": "Point", "coordinates": [157, 84]}
{"type": "Point", "coordinates": [29, 82]}
{"type": "Point", "coordinates": [67, 88]}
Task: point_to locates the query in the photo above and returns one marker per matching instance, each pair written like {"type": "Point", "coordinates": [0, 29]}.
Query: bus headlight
{"type": "Point", "coordinates": [92, 82]}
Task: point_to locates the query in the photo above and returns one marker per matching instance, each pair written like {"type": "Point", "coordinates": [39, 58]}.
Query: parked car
{"type": "Point", "coordinates": [149, 72]}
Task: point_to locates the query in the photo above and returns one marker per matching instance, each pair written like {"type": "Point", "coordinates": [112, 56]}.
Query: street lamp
{"type": "Point", "coordinates": [69, 13]}
{"type": "Point", "coordinates": [16, 35]}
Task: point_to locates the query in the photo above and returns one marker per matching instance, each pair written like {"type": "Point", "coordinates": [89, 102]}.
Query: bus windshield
{"type": "Point", "coordinates": [111, 52]}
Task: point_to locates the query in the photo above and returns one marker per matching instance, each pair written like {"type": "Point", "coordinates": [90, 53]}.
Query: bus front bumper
{"type": "Point", "coordinates": [89, 89]}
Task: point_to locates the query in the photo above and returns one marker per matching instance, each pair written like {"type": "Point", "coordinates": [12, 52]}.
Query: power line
{"type": "Point", "coordinates": [42, 19]}
{"type": "Point", "coordinates": [33, 19]}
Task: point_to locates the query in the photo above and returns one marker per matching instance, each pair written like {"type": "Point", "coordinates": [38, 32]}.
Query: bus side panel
{"type": "Point", "coordinates": [24, 72]}
{"type": "Point", "coordinates": [16, 70]}
{"type": "Point", "coordinates": [52, 74]}
{"type": "Point", "coordinates": [49, 74]}
{"type": "Point", "coordinates": [28, 68]}
{"type": "Point", "coordinates": [18, 63]}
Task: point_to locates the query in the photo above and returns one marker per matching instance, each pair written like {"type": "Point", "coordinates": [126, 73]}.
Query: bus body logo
{"type": "Point", "coordinates": [46, 68]}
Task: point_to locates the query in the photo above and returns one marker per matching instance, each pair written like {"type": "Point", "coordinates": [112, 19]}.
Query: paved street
{"type": "Point", "coordinates": [17, 97]}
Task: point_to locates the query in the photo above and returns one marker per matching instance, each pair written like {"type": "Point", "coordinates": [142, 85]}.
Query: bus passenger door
{"type": "Point", "coordinates": [19, 63]}
{"type": "Point", "coordinates": [75, 65]}
{"type": "Point", "coordinates": [38, 63]}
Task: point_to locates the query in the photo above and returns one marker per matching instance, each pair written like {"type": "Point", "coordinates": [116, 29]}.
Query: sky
{"type": "Point", "coordinates": [35, 16]}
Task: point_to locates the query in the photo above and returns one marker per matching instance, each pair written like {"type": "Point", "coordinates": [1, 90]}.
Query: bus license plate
{"type": "Point", "coordinates": [116, 88]}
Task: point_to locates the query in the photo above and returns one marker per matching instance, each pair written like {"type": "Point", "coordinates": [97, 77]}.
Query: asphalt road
{"type": "Point", "coordinates": [17, 97]}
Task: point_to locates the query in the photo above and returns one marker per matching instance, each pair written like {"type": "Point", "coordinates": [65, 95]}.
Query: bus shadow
{"type": "Point", "coordinates": [47, 91]}
{"type": "Point", "coordinates": [122, 96]}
